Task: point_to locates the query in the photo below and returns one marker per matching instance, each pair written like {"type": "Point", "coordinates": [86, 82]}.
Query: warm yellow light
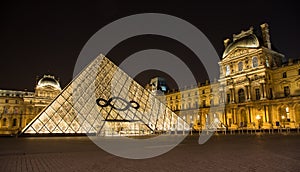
{"type": "Point", "coordinates": [258, 117]}
{"type": "Point", "coordinates": [282, 117]}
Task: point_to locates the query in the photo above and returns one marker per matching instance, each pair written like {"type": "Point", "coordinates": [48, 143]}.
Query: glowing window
{"type": "Point", "coordinates": [240, 66]}
{"type": "Point", "coordinates": [227, 70]}
{"type": "Point", "coordinates": [254, 62]}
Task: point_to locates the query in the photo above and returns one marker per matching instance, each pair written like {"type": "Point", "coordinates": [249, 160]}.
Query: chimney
{"type": "Point", "coordinates": [290, 62]}
{"type": "Point", "coordinates": [265, 34]}
{"type": "Point", "coordinates": [226, 42]}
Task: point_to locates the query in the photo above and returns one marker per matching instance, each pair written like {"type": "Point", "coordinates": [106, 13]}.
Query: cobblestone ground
{"type": "Point", "coordinates": [220, 153]}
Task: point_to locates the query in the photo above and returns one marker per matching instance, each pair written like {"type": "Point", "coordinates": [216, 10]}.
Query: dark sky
{"type": "Point", "coordinates": [46, 38]}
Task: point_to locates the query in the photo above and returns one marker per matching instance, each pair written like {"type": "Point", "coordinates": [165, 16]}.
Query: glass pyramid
{"type": "Point", "coordinates": [104, 100]}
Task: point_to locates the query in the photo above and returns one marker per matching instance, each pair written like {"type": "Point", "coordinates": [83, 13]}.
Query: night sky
{"type": "Point", "coordinates": [46, 38]}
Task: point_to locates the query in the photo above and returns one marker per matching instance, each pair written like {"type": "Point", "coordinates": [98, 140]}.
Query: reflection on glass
{"type": "Point", "coordinates": [75, 109]}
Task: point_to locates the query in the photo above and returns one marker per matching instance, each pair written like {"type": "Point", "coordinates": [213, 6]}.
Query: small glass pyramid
{"type": "Point", "coordinates": [104, 100]}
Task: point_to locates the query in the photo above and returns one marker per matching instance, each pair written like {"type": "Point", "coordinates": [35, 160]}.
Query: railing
{"type": "Point", "coordinates": [241, 131]}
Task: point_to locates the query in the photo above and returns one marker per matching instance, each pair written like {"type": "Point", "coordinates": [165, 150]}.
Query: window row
{"type": "Point", "coordinates": [284, 74]}
{"type": "Point", "coordinates": [228, 69]}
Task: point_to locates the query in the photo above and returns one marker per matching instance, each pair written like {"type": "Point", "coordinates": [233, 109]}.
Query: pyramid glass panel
{"type": "Point", "coordinates": [104, 100]}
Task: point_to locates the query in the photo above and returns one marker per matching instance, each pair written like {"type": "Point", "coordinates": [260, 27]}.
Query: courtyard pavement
{"type": "Point", "coordinates": [272, 152]}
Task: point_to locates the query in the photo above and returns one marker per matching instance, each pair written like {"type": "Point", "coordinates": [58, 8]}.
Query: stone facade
{"type": "Point", "coordinates": [256, 89]}
{"type": "Point", "coordinates": [18, 108]}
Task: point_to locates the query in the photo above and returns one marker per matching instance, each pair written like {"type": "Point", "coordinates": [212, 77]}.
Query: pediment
{"type": "Point", "coordinates": [284, 82]}
{"type": "Point", "coordinates": [237, 52]}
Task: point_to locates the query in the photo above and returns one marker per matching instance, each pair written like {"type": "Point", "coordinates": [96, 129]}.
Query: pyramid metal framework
{"type": "Point", "coordinates": [104, 100]}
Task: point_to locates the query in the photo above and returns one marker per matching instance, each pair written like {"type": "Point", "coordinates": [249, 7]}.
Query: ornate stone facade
{"type": "Point", "coordinates": [18, 108]}
{"type": "Point", "coordinates": [256, 88]}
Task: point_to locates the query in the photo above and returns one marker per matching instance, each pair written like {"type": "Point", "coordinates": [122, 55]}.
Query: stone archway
{"type": "Point", "coordinates": [297, 113]}
{"type": "Point", "coordinates": [243, 118]}
{"type": "Point", "coordinates": [283, 113]}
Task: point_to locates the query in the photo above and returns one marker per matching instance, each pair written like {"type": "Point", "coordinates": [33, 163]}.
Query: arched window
{"type": "Point", "coordinates": [241, 94]}
{"type": "Point", "coordinates": [14, 122]}
{"type": "Point", "coordinates": [4, 122]}
{"type": "Point", "coordinates": [254, 62]}
{"type": "Point", "coordinates": [284, 114]}
{"type": "Point", "coordinates": [240, 66]}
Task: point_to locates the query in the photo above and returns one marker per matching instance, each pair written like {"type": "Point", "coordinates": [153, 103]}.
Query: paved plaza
{"type": "Point", "coordinates": [257, 152]}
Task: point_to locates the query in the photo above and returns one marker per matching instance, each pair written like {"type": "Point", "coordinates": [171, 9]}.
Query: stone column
{"type": "Point", "coordinates": [233, 116]}
{"type": "Point", "coordinates": [266, 114]}
{"type": "Point", "coordinates": [223, 97]}
{"type": "Point", "coordinates": [249, 115]}
{"type": "Point", "coordinates": [237, 117]}
{"type": "Point", "coordinates": [232, 95]}
{"type": "Point", "coordinates": [263, 90]}
{"type": "Point", "coordinates": [247, 95]}
{"type": "Point", "coordinates": [249, 92]}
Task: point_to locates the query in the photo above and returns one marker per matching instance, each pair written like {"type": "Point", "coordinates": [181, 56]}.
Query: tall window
{"type": "Point", "coordinates": [14, 122]}
{"type": "Point", "coordinates": [4, 122]}
{"type": "Point", "coordinates": [228, 98]}
{"type": "Point", "coordinates": [284, 75]}
{"type": "Point", "coordinates": [241, 94]}
{"type": "Point", "coordinates": [257, 94]}
{"type": "Point", "coordinates": [5, 110]}
{"type": "Point", "coordinates": [227, 70]}
{"type": "Point", "coordinates": [240, 66]}
{"type": "Point", "coordinates": [204, 103]}
{"type": "Point", "coordinates": [211, 102]}
{"type": "Point", "coordinates": [286, 91]}
{"type": "Point", "coordinates": [298, 71]}
{"type": "Point", "coordinates": [254, 62]}
{"type": "Point", "coordinates": [196, 105]}
{"type": "Point", "coordinates": [271, 93]}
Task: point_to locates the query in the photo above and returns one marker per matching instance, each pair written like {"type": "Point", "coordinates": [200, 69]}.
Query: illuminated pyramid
{"type": "Point", "coordinates": [104, 100]}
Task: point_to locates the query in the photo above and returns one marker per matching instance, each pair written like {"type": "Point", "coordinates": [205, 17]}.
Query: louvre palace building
{"type": "Point", "coordinates": [257, 89]}
{"type": "Point", "coordinates": [18, 108]}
